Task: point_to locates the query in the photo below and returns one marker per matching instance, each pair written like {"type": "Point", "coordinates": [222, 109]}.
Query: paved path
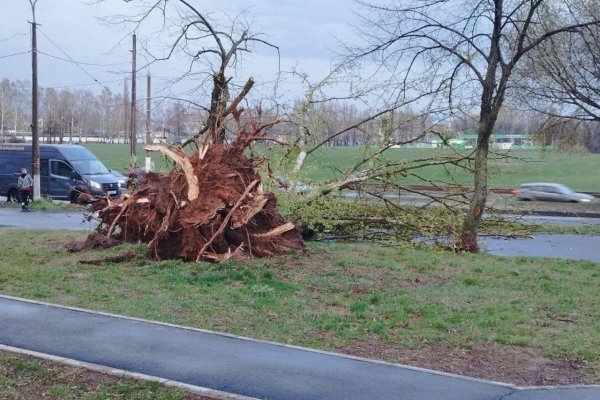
{"type": "Point", "coordinates": [237, 365]}
{"type": "Point", "coordinates": [34, 219]}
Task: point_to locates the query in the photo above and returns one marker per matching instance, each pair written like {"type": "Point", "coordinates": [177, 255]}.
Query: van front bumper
{"type": "Point", "coordinates": [100, 193]}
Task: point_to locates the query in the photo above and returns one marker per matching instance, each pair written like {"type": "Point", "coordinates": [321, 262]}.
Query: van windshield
{"type": "Point", "coordinates": [89, 167]}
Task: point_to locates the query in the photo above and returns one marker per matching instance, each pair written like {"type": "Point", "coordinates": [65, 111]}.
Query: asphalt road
{"type": "Point", "coordinates": [236, 365]}
{"type": "Point", "coordinates": [568, 247]}
{"type": "Point", "coordinates": [34, 219]}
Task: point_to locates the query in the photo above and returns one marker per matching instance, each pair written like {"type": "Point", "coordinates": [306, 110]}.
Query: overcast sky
{"type": "Point", "coordinates": [305, 31]}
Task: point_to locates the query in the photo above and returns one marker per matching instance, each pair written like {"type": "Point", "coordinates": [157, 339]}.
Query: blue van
{"type": "Point", "coordinates": [65, 172]}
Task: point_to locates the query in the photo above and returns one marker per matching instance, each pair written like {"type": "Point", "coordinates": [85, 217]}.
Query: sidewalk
{"type": "Point", "coordinates": [36, 219]}
{"type": "Point", "coordinates": [238, 365]}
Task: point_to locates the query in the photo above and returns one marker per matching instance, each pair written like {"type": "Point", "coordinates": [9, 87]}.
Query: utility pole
{"type": "Point", "coordinates": [125, 111]}
{"type": "Point", "coordinates": [133, 100]}
{"type": "Point", "coordinates": [35, 143]}
{"type": "Point", "coordinates": [148, 112]}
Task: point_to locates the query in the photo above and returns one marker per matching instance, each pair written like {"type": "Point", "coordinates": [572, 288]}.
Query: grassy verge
{"type": "Point", "coordinates": [27, 378]}
{"type": "Point", "coordinates": [358, 299]}
{"type": "Point", "coordinates": [564, 229]}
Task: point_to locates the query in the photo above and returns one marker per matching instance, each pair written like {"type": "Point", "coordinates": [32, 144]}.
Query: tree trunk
{"type": "Point", "coordinates": [300, 161]}
{"type": "Point", "coordinates": [303, 153]}
{"type": "Point", "coordinates": [218, 104]}
{"type": "Point", "coordinates": [468, 237]}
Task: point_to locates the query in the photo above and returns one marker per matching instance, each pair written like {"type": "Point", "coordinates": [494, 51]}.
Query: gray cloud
{"type": "Point", "coordinates": [303, 30]}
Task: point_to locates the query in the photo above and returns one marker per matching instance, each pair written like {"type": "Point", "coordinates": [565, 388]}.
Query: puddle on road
{"type": "Point", "coordinates": [573, 247]}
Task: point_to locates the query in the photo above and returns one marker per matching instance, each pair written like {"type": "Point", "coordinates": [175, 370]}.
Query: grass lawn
{"type": "Point", "coordinates": [531, 166]}
{"type": "Point", "coordinates": [422, 307]}
{"type": "Point", "coordinates": [28, 378]}
{"type": "Point", "coordinates": [573, 170]}
{"type": "Point", "coordinates": [116, 156]}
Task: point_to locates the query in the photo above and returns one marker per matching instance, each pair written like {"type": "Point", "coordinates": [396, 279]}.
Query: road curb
{"type": "Point", "coordinates": [120, 373]}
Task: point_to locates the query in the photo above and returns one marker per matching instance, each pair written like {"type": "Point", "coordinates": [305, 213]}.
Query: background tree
{"type": "Point", "coordinates": [468, 51]}
{"type": "Point", "coordinates": [6, 94]}
{"type": "Point", "coordinates": [211, 49]}
{"type": "Point", "coordinates": [561, 79]}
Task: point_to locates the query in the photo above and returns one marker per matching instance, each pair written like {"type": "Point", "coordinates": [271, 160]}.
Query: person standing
{"type": "Point", "coordinates": [25, 183]}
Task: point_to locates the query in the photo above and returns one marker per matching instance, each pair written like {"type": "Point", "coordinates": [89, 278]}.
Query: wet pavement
{"type": "Point", "coordinates": [238, 365]}
{"type": "Point", "coordinates": [571, 247]}
{"type": "Point", "coordinates": [35, 219]}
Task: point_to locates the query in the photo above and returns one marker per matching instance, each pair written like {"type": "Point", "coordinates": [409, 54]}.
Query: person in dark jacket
{"type": "Point", "coordinates": [25, 183]}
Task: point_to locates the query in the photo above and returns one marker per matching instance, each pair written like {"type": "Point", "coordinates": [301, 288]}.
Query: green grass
{"type": "Point", "coordinates": [536, 166]}
{"type": "Point", "coordinates": [564, 229]}
{"type": "Point", "coordinates": [26, 378]}
{"type": "Point", "coordinates": [573, 170]}
{"type": "Point", "coordinates": [117, 157]}
{"type": "Point", "coordinates": [334, 296]}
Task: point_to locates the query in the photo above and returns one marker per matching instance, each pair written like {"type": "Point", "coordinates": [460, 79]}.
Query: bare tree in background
{"type": "Point", "coordinates": [561, 77]}
{"type": "Point", "coordinates": [212, 50]}
{"type": "Point", "coordinates": [470, 51]}
{"type": "Point", "coordinates": [6, 93]}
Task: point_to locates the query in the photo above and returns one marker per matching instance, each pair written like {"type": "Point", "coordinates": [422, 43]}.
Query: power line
{"type": "Point", "coordinates": [85, 84]}
{"type": "Point", "coordinates": [16, 54]}
{"type": "Point", "coordinates": [13, 36]}
{"type": "Point", "coordinates": [71, 59]}
{"type": "Point", "coordinates": [81, 68]}
{"type": "Point", "coordinates": [82, 63]}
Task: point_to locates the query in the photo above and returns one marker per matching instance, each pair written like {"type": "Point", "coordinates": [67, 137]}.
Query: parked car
{"type": "Point", "coordinates": [551, 192]}
{"type": "Point", "coordinates": [121, 178]}
{"type": "Point", "coordinates": [66, 171]}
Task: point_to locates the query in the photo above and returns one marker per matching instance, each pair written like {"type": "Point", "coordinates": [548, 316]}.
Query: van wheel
{"type": "Point", "coordinates": [13, 196]}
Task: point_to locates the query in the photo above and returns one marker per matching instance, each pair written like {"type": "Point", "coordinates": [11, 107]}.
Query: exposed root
{"type": "Point", "coordinates": [210, 208]}
{"type": "Point", "coordinates": [128, 255]}
{"type": "Point", "coordinates": [182, 160]}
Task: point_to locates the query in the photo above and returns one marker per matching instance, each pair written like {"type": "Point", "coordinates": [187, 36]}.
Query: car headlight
{"type": "Point", "coordinates": [122, 183]}
{"type": "Point", "coordinates": [585, 200]}
{"type": "Point", "coordinates": [95, 185]}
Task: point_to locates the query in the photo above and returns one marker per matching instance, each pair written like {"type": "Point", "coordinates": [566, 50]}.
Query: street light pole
{"type": "Point", "coordinates": [133, 109]}
{"type": "Point", "coordinates": [148, 123]}
{"type": "Point", "coordinates": [35, 143]}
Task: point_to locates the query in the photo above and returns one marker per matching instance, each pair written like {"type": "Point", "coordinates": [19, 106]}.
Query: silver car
{"type": "Point", "coordinates": [551, 192]}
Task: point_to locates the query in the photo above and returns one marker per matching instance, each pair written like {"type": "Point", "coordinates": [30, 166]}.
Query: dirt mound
{"type": "Point", "coordinates": [95, 241]}
{"type": "Point", "coordinates": [211, 206]}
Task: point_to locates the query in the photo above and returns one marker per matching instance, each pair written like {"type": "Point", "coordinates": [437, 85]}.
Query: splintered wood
{"type": "Point", "coordinates": [209, 207]}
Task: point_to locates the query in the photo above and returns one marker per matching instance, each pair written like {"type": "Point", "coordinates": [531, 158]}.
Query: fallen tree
{"type": "Point", "coordinates": [211, 206]}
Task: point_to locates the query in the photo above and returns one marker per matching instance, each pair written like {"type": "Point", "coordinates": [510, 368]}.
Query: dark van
{"type": "Point", "coordinates": [65, 172]}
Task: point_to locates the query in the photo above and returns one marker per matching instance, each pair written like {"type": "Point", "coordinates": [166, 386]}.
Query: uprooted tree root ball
{"type": "Point", "coordinates": [210, 207]}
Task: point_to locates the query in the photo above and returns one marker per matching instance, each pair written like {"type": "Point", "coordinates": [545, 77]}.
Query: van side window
{"type": "Point", "coordinates": [60, 168]}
